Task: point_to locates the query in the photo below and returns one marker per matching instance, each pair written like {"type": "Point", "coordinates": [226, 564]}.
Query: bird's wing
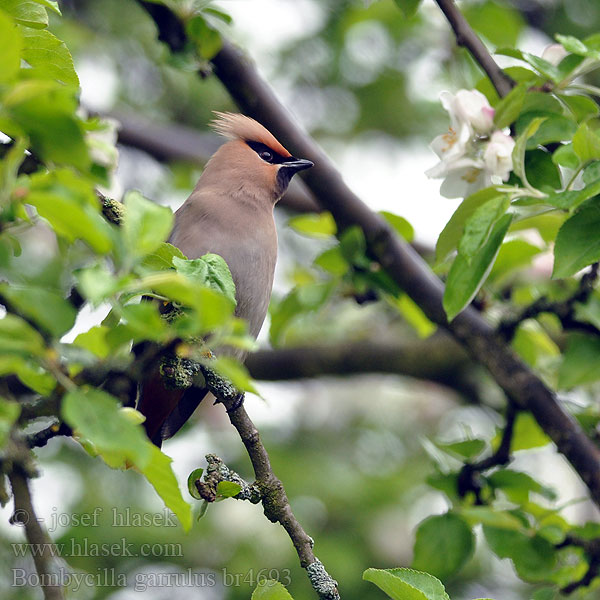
{"type": "Point", "coordinates": [184, 409]}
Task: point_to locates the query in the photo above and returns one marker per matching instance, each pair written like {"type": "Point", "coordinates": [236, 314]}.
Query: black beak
{"type": "Point", "coordinates": [297, 164]}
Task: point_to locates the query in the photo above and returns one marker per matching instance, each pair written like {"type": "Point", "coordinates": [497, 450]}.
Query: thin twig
{"type": "Point", "coordinates": [564, 310]}
{"type": "Point", "coordinates": [466, 37]}
{"type": "Point", "coordinates": [468, 478]}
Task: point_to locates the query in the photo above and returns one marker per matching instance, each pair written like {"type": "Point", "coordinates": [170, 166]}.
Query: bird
{"type": "Point", "coordinates": [229, 213]}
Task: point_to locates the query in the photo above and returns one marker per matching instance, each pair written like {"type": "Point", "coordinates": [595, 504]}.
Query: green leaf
{"type": "Point", "coordinates": [464, 448]}
{"type": "Point", "coordinates": [575, 46]}
{"type": "Point", "coordinates": [480, 224]}
{"type": "Point", "coordinates": [95, 341]}
{"type": "Point", "coordinates": [51, 4]}
{"type": "Point", "coordinates": [467, 276]}
{"type": "Point", "coordinates": [453, 231]}
{"type": "Point", "coordinates": [577, 242]}
{"type": "Point", "coordinates": [591, 173]}
{"type": "Point", "coordinates": [527, 434]}
{"type": "Point", "coordinates": [228, 489]}
{"type": "Point", "coordinates": [46, 111]}
{"type": "Point", "coordinates": [69, 205]}
{"type": "Point", "coordinates": [212, 309]}
{"type": "Point", "coordinates": [97, 283]}
{"type": "Point", "coordinates": [401, 226]}
{"type": "Point", "coordinates": [191, 483]}
{"type": "Point", "coordinates": [582, 107]}
{"type": "Point", "coordinates": [554, 128]}
{"type": "Point", "coordinates": [17, 336]}
{"type": "Point", "coordinates": [565, 156]}
{"type": "Point", "coordinates": [406, 584]}
{"type": "Point", "coordinates": [162, 257]}
{"type": "Point", "coordinates": [11, 43]}
{"type": "Point", "coordinates": [513, 255]}
{"type": "Point", "coordinates": [500, 24]}
{"type": "Point", "coordinates": [145, 322]}
{"type": "Point", "coordinates": [586, 142]}
{"type": "Point", "coordinates": [48, 308]}
{"type": "Point", "coordinates": [517, 485]}
{"type": "Point", "coordinates": [541, 171]}
{"type": "Point", "coordinates": [207, 39]}
{"type": "Point", "coordinates": [333, 262]}
{"type": "Point", "coordinates": [572, 199]}
{"type": "Point", "coordinates": [444, 543]}
{"type": "Point", "coordinates": [581, 363]}
{"type": "Point", "coordinates": [486, 515]}
{"type": "Point", "coordinates": [353, 246]}
{"type": "Point", "coordinates": [408, 7]}
{"type": "Point", "coordinates": [145, 224]}
{"type": "Point", "coordinates": [314, 224]}
{"type": "Point", "coordinates": [534, 344]}
{"type": "Point", "coordinates": [270, 589]}
{"type": "Point", "coordinates": [95, 415]}
{"type": "Point", "coordinates": [539, 64]}
{"type": "Point", "coordinates": [414, 315]}
{"type": "Point", "coordinates": [518, 154]}
{"type": "Point", "coordinates": [159, 473]}
{"type": "Point", "coordinates": [589, 312]}
{"type": "Point", "coordinates": [28, 372]}
{"type": "Point", "coordinates": [533, 556]}
{"type": "Point", "coordinates": [9, 413]}
{"type": "Point", "coordinates": [27, 12]}
{"type": "Point", "coordinates": [48, 56]}
{"type": "Point", "coordinates": [509, 107]}
{"type": "Point", "coordinates": [210, 270]}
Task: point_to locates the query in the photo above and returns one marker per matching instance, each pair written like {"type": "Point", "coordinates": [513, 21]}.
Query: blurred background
{"type": "Point", "coordinates": [350, 442]}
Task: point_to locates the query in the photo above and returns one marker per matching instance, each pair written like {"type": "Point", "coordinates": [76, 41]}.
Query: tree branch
{"type": "Point", "coordinates": [43, 549]}
{"type": "Point", "coordinates": [466, 37]}
{"type": "Point", "coordinates": [276, 505]}
{"type": "Point", "coordinates": [439, 359]}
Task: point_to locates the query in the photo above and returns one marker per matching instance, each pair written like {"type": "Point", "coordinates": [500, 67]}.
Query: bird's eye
{"type": "Point", "coordinates": [266, 155]}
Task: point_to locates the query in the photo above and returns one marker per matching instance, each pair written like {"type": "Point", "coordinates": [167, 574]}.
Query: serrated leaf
{"type": "Point", "coordinates": [48, 57]}
{"type": "Point", "coordinates": [51, 4]}
{"type": "Point", "coordinates": [191, 483]}
{"type": "Point", "coordinates": [145, 224]}
{"type": "Point", "coordinates": [517, 485]}
{"type": "Point", "coordinates": [539, 64]}
{"type": "Point", "coordinates": [210, 270]}
{"type": "Point", "coordinates": [577, 242]}
{"type": "Point", "coordinates": [571, 44]}
{"type": "Point", "coordinates": [464, 448]}
{"type": "Point", "coordinates": [407, 584]}
{"type": "Point", "coordinates": [467, 276]}
{"type": "Point", "coordinates": [565, 156]}
{"type": "Point", "coordinates": [513, 255]}
{"type": "Point", "coordinates": [270, 589]}
{"type": "Point", "coordinates": [159, 473]}
{"type": "Point", "coordinates": [444, 543]}
{"type": "Point", "coordinates": [480, 224]}
{"type": "Point", "coordinates": [526, 434]}
{"type": "Point", "coordinates": [207, 39]}
{"type": "Point", "coordinates": [314, 224]}
{"type": "Point", "coordinates": [28, 372]}
{"type": "Point", "coordinates": [333, 262]}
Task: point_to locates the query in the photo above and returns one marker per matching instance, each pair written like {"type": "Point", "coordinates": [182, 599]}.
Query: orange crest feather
{"type": "Point", "coordinates": [239, 127]}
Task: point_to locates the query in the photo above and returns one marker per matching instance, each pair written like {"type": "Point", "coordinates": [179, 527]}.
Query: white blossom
{"type": "Point", "coordinates": [498, 155]}
{"type": "Point", "coordinates": [554, 53]}
{"type": "Point", "coordinates": [472, 155]}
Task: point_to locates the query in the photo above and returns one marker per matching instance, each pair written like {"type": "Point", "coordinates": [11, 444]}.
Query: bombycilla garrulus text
{"type": "Point", "coordinates": [230, 213]}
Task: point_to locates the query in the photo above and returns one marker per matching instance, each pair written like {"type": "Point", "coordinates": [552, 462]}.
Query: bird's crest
{"type": "Point", "coordinates": [239, 127]}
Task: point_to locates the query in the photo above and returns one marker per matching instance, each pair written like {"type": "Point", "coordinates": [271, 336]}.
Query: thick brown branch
{"type": "Point", "coordinates": [466, 37]}
{"type": "Point", "coordinates": [438, 359]}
